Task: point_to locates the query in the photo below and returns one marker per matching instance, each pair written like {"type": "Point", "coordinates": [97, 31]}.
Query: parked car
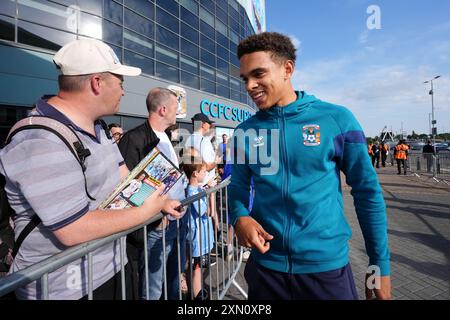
{"type": "Point", "coordinates": [442, 146]}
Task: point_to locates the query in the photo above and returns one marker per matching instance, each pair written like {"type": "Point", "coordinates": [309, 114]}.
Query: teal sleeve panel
{"type": "Point", "coordinates": [351, 150]}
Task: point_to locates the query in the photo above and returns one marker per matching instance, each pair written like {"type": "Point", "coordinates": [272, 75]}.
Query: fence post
{"type": "Point", "coordinates": [438, 165]}
{"type": "Point", "coordinates": [434, 166]}
{"type": "Point", "coordinates": [418, 163]}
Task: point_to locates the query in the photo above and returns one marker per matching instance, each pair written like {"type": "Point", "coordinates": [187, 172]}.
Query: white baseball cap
{"type": "Point", "coordinates": [87, 56]}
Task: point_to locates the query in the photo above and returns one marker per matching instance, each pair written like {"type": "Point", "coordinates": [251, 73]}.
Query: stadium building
{"type": "Point", "coordinates": [188, 45]}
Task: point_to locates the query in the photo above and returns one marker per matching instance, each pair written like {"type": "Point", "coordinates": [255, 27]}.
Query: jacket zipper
{"type": "Point", "coordinates": [285, 186]}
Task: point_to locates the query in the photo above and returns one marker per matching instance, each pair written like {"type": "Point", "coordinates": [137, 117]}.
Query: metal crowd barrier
{"type": "Point", "coordinates": [432, 166]}
{"type": "Point", "coordinates": [222, 273]}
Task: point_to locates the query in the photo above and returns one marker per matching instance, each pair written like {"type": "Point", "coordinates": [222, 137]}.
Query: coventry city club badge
{"type": "Point", "coordinates": [311, 135]}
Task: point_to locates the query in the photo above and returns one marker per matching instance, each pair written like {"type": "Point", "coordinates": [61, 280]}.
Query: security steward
{"type": "Point", "coordinates": [401, 154]}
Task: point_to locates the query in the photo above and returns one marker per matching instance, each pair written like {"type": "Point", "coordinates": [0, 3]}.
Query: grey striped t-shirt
{"type": "Point", "coordinates": [43, 177]}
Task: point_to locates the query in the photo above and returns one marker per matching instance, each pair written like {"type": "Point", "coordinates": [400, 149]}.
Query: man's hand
{"type": "Point", "coordinates": [211, 183]}
{"type": "Point", "coordinates": [251, 234]}
{"type": "Point", "coordinates": [383, 293]}
{"type": "Point", "coordinates": [173, 208]}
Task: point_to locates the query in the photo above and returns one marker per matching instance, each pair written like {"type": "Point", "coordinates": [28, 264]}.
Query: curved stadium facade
{"type": "Point", "coordinates": [187, 44]}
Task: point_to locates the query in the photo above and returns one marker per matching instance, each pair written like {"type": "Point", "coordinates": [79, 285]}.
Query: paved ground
{"type": "Point", "coordinates": [419, 238]}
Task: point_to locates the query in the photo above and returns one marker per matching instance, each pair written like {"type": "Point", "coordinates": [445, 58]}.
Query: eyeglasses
{"type": "Point", "coordinates": [117, 134]}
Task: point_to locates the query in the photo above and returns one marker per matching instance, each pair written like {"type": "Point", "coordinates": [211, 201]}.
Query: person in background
{"type": "Point", "coordinates": [401, 155]}
{"type": "Point", "coordinates": [428, 151]}
{"type": "Point", "coordinates": [384, 151]}
{"type": "Point", "coordinates": [116, 131]}
{"type": "Point", "coordinates": [162, 235]}
{"type": "Point", "coordinates": [201, 234]}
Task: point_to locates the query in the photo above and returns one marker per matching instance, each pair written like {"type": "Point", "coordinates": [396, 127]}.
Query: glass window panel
{"type": "Point", "coordinates": [222, 65]}
{"type": "Point", "coordinates": [137, 43]}
{"type": "Point", "coordinates": [235, 95]}
{"type": "Point", "coordinates": [92, 6]}
{"type": "Point", "coordinates": [137, 60]}
{"type": "Point", "coordinates": [222, 15]}
{"type": "Point", "coordinates": [207, 17]}
{"type": "Point", "coordinates": [90, 26]}
{"type": "Point", "coordinates": [167, 20]}
{"type": "Point", "coordinates": [208, 73]}
{"type": "Point", "coordinates": [222, 52]}
{"type": "Point", "coordinates": [166, 55]}
{"type": "Point", "coordinates": [234, 25]}
{"type": "Point", "coordinates": [233, 59]}
{"type": "Point", "coordinates": [189, 18]}
{"type": "Point", "coordinates": [208, 58]}
{"type": "Point", "coordinates": [138, 23]}
{"type": "Point", "coordinates": [207, 86]}
{"type": "Point", "coordinates": [112, 119]}
{"type": "Point", "coordinates": [244, 98]}
{"type": "Point", "coordinates": [6, 28]}
{"type": "Point", "coordinates": [170, 5]}
{"type": "Point", "coordinates": [222, 78]}
{"type": "Point", "coordinates": [234, 37]}
{"type": "Point", "coordinates": [143, 7]}
{"type": "Point", "coordinates": [207, 43]}
{"type": "Point", "coordinates": [189, 65]}
{"type": "Point", "coordinates": [222, 28]}
{"type": "Point", "coordinates": [191, 5]}
{"type": "Point", "coordinates": [167, 37]}
{"type": "Point", "coordinates": [113, 11]}
{"type": "Point", "coordinates": [233, 4]}
{"type": "Point", "coordinates": [189, 49]}
{"type": "Point", "coordinates": [8, 7]}
{"type": "Point", "coordinates": [233, 13]}
{"type": "Point", "coordinates": [189, 33]}
{"type": "Point", "coordinates": [50, 14]}
{"type": "Point", "coordinates": [209, 4]}
{"type": "Point", "coordinates": [112, 33]}
{"type": "Point", "coordinates": [234, 71]}
{"type": "Point", "coordinates": [223, 91]}
{"type": "Point", "coordinates": [207, 29]}
{"type": "Point", "coordinates": [233, 47]}
{"type": "Point", "coordinates": [222, 40]}
{"type": "Point", "coordinates": [42, 37]}
{"type": "Point", "coordinates": [167, 72]}
{"type": "Point", "coordinates": [190, 80]}
{"type": "Point", "coordinates": [129, 123]}
{"type": "Point", "coordinates": [235, 84]}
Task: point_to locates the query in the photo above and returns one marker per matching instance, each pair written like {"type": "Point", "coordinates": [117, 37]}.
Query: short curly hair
{"type": "Point", "coordinates": [280, 45]}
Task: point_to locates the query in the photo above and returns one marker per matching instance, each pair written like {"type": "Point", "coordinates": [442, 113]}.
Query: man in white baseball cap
{"type": "Point", "coordinates": [50, 184]}
{"type": "Point", "coordinates": [88, 56]}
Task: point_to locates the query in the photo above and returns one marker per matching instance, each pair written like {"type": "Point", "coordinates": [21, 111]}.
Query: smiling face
{"type": "Point", "coordinates": [267, 80]}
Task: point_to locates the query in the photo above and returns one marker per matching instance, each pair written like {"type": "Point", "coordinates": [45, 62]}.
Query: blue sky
{"type": "Point", "coordinates": [378, 73]}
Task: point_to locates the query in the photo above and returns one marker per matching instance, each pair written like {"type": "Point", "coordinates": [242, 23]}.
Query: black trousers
{"type": "Point", "coordinates": [399, 163]}
{"type": "Point", "coordinates": [112, 289]}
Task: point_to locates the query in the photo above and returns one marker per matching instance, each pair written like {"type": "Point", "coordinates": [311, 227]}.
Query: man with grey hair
{"type": "Point", "coordinates": [162, 107]}
{"type": "Point", "coordinates": [44, 180]}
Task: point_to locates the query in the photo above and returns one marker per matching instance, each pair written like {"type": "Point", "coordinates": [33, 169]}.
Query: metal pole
{"type": "Point", "coordinates": [429, 123]}
{"type": "Point", "coordinates": [432, 114]}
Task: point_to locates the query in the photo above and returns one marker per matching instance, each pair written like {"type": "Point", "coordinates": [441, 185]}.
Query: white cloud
{"type": "Point", "coordinates": [364, 37]}
{"type": "Point", "coordinates": [378, 95]}
{"type": "Point", "coordinates": [296, 42]}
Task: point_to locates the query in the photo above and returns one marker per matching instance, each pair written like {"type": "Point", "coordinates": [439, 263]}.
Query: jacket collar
{"type": "Point", "coordinates": [303, 102]}
{"type": "Point", "coordinates": [43, 108]}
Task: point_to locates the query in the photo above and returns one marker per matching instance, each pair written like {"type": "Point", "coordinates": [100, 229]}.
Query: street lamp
{"type": "Point", "coordinates": [433, 122]}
